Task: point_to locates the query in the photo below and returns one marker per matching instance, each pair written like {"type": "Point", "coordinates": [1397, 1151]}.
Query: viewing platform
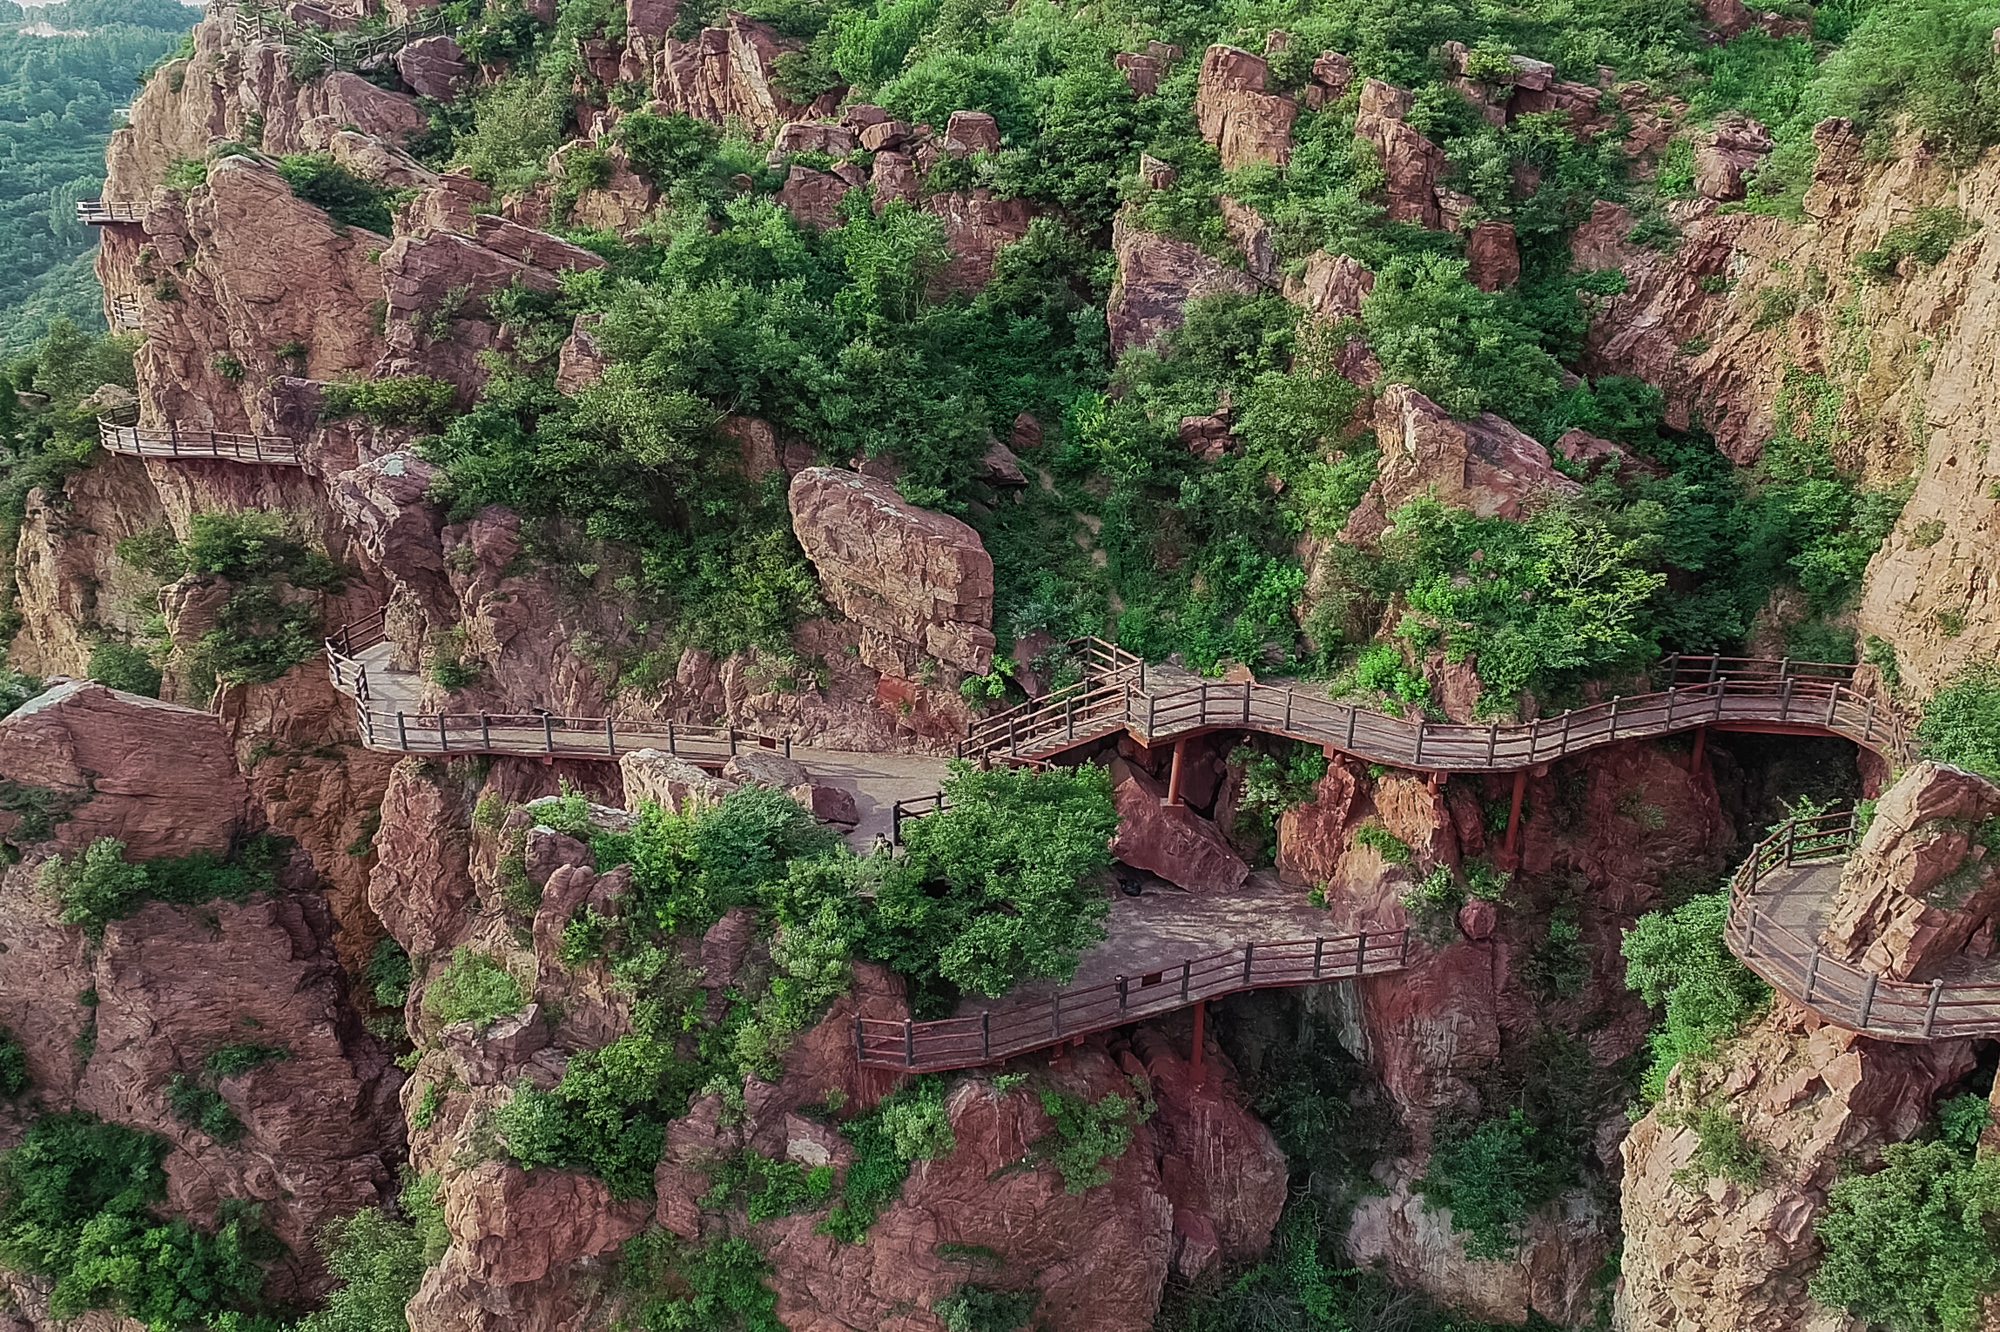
{"type": "Point", "coordinates": [102, 212]}
{"type": "Point", "coordinates": [177, 442]}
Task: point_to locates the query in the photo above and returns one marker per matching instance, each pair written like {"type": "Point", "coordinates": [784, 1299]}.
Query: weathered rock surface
{"type": "Point", "coordinates": [976, 226]}
{"type": "Point", "coordinates": [1717, 1256]}
{"type": "Point", "coordinates": [920, 584]}
{"type": "Point", "coordinates": [434, 66]}
{"type": "Point", "coordinates": [724, 73]}
{"type": "Point", "coordinates": [1157, 277]}
{"type": "Point", "coordinates": [1413, 163]}
{"type": "Point", "coordinates": [1236, 115]}
{"type": "Point", "coordinates": [669, 782]}
{"type": "Point", "coordinates": [1484, 465]}
{"type": "Point", "coordinates": [1725, 154]}
{"type": "Point", "coordinates": [1918, 887]}
{"type": "Point", "coordinates": [1492, 259]}
{"type": "Point", "coordinates": [1172, 841]}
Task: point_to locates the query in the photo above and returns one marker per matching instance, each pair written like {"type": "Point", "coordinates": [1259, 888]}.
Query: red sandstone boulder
{"type": "Point", "coordinates": [893, 176]}
{"type": "Point", "coordinates": [669, 782]}
{"type": "Point", "coordinates": [722, 74]}
{"type": "Point", "coordinates": [434, 66]}
{"type": "Point", "coordinates": [1724, 154]}
{"type": "Point", "coordinates": [1492, 259]}
{"type": "Point", "coordinates": [384, 504]}
{"type": "Point", "coordinates": [1484, 465]}
{"type": "Point", "coordinates": [1332, 75]}
{"type": "Point", "coordinates": [1157, 277]}
{"type": "Point", "coordinates": [1332, 286]}
{"type": "Point", "coordinates": [976, 225]}
{"type": "Point", "coordinates": [1142, 72]}
{"type": "Point", "coordinates": [1172, 841]}
{"type": "Point", "coordinates": [919, 583]}
{"type": "Point", "coordinates": [1236, 115]}
{"type": "Point", "coordinates": [580, 362]}
{"type": "Point", "coordinates": [813, 197]}
{"type": "Point", "coordinates": [969, 132]}
{"type": "Point", "coordinates": [1919, 886]}
{"type": "Point", "coordinates": [1413, 163]}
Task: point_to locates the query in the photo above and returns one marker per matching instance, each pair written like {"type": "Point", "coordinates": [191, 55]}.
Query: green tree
{"type": "Point", "coordinates": [1678, 962]}
{"type": "Point", "coordinates": [1915, 1245]}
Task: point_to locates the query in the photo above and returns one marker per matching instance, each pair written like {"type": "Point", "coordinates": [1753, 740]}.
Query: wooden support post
{"type": "Point", "coordinates": [610, 740]}
{"type": "Point", "coordinates": [548, 733]}
{"type": "Point", "coordinates": [1360, 952]}
{"type": "Point", "coordinates": [1174, 773]}
{"type": "Point", "coordinates": [986, 1034]}
{"type": "Point", "coordinates": [1514, 811]}
{"type": "Point", "coordinates": [485, 732]}
{"type": "Point", "coordinates": [1194, 1052]}
{"type": "Point", "coordinates": [1930, 1007]}
{"type": "Point", "coordinates": [1700, 744]}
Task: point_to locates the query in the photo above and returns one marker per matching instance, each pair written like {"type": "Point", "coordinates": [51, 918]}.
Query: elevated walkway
{"type": "Point", "coordinates": [182, 444]}
{"type": "Point", "coordinates": [104, 212]}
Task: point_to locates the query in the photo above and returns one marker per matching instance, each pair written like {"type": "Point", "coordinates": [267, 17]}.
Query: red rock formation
{"type": "Point", "coordinates": [434, 66]}
{"type": "Point", "coordinates": [1235, 113]}
{"type": "Point", "coordinates": [976, 225]}
{"type": "Point", "coordinates": [1412, 162]}
{"type": "Point", "coordinates": [1714, 1254]}
{"type": "Point", "coordinates": [919, 583]}
{"type": "Point", "coordinates": [1483, 465]}
{"type": "Point", "coordinates": [1724, 154]}
{"type": "Point", "coordinates": [1332, 286]}
{"type": "Point", "coordinates": [1492, 259]}
{"type": "Point", "coordinates": [1157, 277]}
{"type": "Point", "coordinates": [813, 197]}
{"type": "Point", "coordinates": [1332, 75]}
{"type": "Point", "coordinates": [1172, 841]}
{"type": "Point", "coordinates": [1918, 887]}
{"type": "Point", "coordinates": [723, 74]}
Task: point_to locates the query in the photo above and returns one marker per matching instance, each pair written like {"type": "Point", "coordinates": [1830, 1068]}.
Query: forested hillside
{"type": "Point", "coordinates": [60, 97]}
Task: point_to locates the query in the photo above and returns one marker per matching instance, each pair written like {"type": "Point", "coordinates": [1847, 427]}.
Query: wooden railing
{"type": "Point", "coordinates": [1000, 1033]}
{"type": "Point", "coordinates": [537, 733]}
{"type": "Point", "coordinates": [1846, 995]}
{"type": "Point", "coordinates": [1809, 696]}
{"type": "Point", "coordinates": [337, 50]}
{"type": "Point", "coordinates": [173, 441]}
{"type": "Point", "coordinates": [99, 212]}
{"type": "Point", "coordinates": [125, 312]}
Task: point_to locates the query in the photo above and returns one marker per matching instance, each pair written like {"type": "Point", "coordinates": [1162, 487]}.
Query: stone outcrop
{"type": "Point", "coordinates": [920, 584]}
{"type": "Point", "coordinates": [724, 73]}
{"type": "Point", "coordinates": [1171, 841]}
{"type": "Point", "coordinates": [1157, 277]}
{"type": "Point", "coordinates": [1492, 258]}
{"type": "Point", "coordinates": [1484, 465]}
{"type": "Point", "coordinates": [1714, 1255]}
{"type": "Point", "coordinates": [1412, 162]}
{"type": "Point", "coordinates": [1332, 286]}
{"type": "Point", "coordinates": [434, 67]}
{"type": "Point", "coordinates": [976, 225]}
{"type": "Point", "coordinates": [1725, 154]}
{"type": "Point", "coordinates": [1919, 886]}
{"type": "Point", "coordinates": [1236, 115]}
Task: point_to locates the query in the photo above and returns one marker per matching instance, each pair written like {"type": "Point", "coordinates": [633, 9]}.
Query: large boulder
{"type": "Point", "coordinates": [1492, 258]}
{"type": "Point", "coordinates": [1412, 162]}
{"type": "Point", "coordinates": [919, 583]}
{"type": "Point", "coordinates": [1172, 841]}
{"type": "Point", "coordinates": [976, 225]}
{"type": "Point", "coordinates": [434, 66]}
{"type": "Point", "coordinates": [1920, 885]}
{"type": "Point", "coordinates": [1332, 287]}
{"type": "Point", "coordinates": [1157, 277]}
{"type": "Point", "coordinates": [1723, 155]}
{"type": "Point", "coordinates": [651, 776]}
{"type": "Point", "coordinates": [1235, 113]}
{"type": "Point", "coordinates": [1484, 465]}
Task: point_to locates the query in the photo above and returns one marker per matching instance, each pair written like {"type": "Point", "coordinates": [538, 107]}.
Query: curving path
{"type": "Point", "coordinates": [1153, 704]}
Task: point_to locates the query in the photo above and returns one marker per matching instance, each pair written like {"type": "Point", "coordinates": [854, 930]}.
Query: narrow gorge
{"type": "Point", "coordinates": [950, 666]}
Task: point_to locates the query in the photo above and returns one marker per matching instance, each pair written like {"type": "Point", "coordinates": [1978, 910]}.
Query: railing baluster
{"type": "Point", "coordinates": [1361, 952]}
{"type": "Point", "coordinates": [1187, 971]}
{"type": "Point", "coordinates": [548, 733]}
{"type": "Point", "coordinates": [610, 740]}
{"type": "Point", "coordinates": [1931, 1007]}
{"type": "Point", "coordinates": [1248, 950]}
{"type": "Point", "coordinates": [402, 732]}
{"type": "Point", "coordinates": [1868, 997]}
{"type": "Point", "coordinates": [1319, 953]}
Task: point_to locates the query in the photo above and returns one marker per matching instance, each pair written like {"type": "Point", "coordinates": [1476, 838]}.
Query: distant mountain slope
{"type": "Point", "coordinates": [59, 98]}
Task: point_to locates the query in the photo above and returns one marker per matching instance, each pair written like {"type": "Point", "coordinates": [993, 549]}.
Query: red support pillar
{"type": "Point", "coordinates": [1700, 745]}
{"type": "Point", "coordinates": [1174, 773]}
{"type": "Point", "coordinates": [1509, 857]}
{"type": "Point", "coordinates": [1194, 1054]}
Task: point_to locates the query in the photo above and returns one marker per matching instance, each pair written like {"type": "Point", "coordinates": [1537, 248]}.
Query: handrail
{"type": "Point", "coordinates": [173, 441]}
{"type": "Point", "coordinates": [1850, 996]}
{"type": "Point", "coordinates": [125, 311]}
{"type": "Point", "coordinates": [98, 212]}
{"type": "Point", "coordinates": [915, 807]}
{"type": "Point", "coordinates": [538, 732]}
{"type": "Point", "coordinates": [968, 1042]}
{"type": "Point", "coordinates": [1808, 695]}
{"type": "Point", "coordinates": [339, 50]}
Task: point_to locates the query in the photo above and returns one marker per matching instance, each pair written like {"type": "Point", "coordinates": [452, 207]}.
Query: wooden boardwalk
{"type": "Point", "coordinates": [103, 212]}
{"type": "Point", "coordinates": [336, 49]}
{"type": "Point", "coordinates": [1119, 692]}
{"type": "Point", "coordinates": [182, 444]}
{"type": "Point", "coordinates": [1780, 901]}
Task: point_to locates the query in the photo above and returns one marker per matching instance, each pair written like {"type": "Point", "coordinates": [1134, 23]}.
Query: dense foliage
{"type": "Point", "coordinates": [76, 1199]}
{"type": "Point", "coordinates": [98, 885]}
{"type": "Point", "coordinates": [1914, 1246]}
{"type": "Point", "coordinates": [59, 101]}
{"type": "Point", "coordinates": [1961, 722]}
{"type": "Point", "coordinates": [1677, 960]}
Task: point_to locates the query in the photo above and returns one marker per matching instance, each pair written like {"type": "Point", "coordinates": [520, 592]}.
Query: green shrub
{"type": "Point", "coordinates": [76, 1199]}
{"type": "Point", "coordinates": [1465, 349]}
{"type": "Point", "coordinates": [1721, 1149]}
{"type": "Point", "coordinates": [874, 1178]}
{"type": "Point", "coordinates": [349, 200]}
{"type": "Point", "coordinates": [770, 1188]}
{"type": "Point", "coordinates": [1272, 784]}
{"type": "Point", "coordinates": [1925, 240]}
{"type": "Point", "coordinates": [186, 173]}
{"type": "Point", "coordinates": [397, 400]}
{"type": "Point", "coordinates": [1002, 886]}
{"type": "Point", "coordinates": [1493, 1176]}
{"type": "Point", "coordinates": [388, 973]}
{"type": "Point", "coordinates": [201, 1107]}
{"type": "Point", "coordinates": [123, 666]}
{"type": "Point", "coordinates": [607, 1116]}
{"type": "Point", "coordinates": [242, 1056]}
{"type": "Point", "coordinates": [1393, 849]}
{"type": "Point", "coordinates": [1911, 1247]}
{"type": "Point", "coordinates": [378, 1261]}
{"type": "Point", "coordinates": [1678, 962]}
{"type": "Point", "coordinates": [98, 886]}
{"type": "Point", "coordinates": [688, 1288]}
{"type": "Point", "coordinates": [13, 1065]}
{"type": "Point", "coordinates": [474, 988]}
{"type": "Point", "coordinates": [422, 1200]}
{"type": "Point", "coordinates": [1961, 721]}
{"type": "Point", "coordinates": [1085, 1134]}
{"type": "Point", "coordinates": [975, 1308]}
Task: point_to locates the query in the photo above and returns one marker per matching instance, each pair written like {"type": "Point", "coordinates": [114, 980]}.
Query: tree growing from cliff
{"type": "Point", "coordinates": [1679, 963]}
{"type": "Point", "coordinates": [1961, 722]}
{"type": "Point", "coordinates": [1002, 886]}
